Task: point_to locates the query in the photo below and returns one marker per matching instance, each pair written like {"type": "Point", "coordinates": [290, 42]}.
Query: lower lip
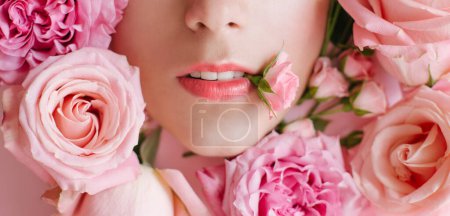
{"type": "Point", "coordinates": [216, 90]}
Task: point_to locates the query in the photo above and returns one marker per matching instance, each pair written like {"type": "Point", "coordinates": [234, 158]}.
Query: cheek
{"type": "Point", "coordinates": [303, 40]}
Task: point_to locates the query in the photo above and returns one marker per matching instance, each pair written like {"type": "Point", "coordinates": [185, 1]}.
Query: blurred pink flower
{"type": "Point", "coordinates": [328, 80]}
{"type": "Point", "coordinates": [33, 30]}
{"type": "Point", "coordinates": [283, 82]}
{"type": "Point", "coordinates": [154, 192]}
{"type": "Point", "coordinates": [75, 120]}
{"type": "Point", "coordinates": [284, 175]}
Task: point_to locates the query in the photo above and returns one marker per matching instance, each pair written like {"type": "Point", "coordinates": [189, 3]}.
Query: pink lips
{"type": "Point", "coordinates": [216, 89]}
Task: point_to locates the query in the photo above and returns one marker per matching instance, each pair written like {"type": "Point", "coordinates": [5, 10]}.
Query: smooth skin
{"type": "Point", "coordinates": [165, 37]}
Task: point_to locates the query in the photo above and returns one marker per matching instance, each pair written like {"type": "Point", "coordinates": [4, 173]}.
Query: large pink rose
{"type": "Point", "coordinates": [283, 82]}
{"type": "Point", "coordinates": [284, 175]}
{"type": "Point", "coordinates": [412, 37]}
{"type": "Point", "coordinates": [33, 30]}
{"type": "Point", "coordinates": [75, 120]}
{"type": "Point", "coordinates": [403, 163]}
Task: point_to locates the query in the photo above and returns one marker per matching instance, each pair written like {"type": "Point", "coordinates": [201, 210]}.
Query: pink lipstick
{"type": "Point", "coordinates": [216, 82]}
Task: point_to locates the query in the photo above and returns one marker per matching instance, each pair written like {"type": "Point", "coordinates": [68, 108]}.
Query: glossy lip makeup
{"type": "Point", "coordinates": [216, 81]}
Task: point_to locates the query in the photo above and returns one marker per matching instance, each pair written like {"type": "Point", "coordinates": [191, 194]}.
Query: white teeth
{"type": "Point", "coordinates": [223, 76]}
{"type": "Point", "coordinates": [196, 74]}
{"type": "Point", "coordinates": [238, 74]}
{"type": "Point", "coordinates": [209, 75]}
{"type": "Point", "coordinates": [229, 75]}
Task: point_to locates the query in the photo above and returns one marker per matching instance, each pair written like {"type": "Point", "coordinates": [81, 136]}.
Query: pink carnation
{"type": "Point", "coordinates": [283, 175]}
{"type": "Point", "coordinates": [32, 30]}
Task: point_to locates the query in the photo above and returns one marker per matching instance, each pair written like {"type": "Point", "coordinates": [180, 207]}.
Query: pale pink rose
{"type": "Point", "coordinates": [33, 30]}
{"type": "Point", "coordinates": [412, 37]}
{"type": "Point", "coordinates": [283, 175]}
{"type": "Point", "coordinates": [403, 164]}
{"type": "Point", "coordinates": [370, 99]}
{"type": "Point", "coordinates": [304, 128]}
{"type": "Point", "coordinates": [75, 120]}
{"type": "Point", "coordinates": [154, 192]}
{"type": "Point", "coordinates": [283, 82]}
{"type": "Point", "coordinates": [356, 66]}
{"type": "Point", "coordinates": [328, 80]}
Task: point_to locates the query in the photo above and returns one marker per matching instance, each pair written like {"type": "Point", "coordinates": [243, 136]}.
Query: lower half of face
{"type": "Point", "coordinates": [193, 55]}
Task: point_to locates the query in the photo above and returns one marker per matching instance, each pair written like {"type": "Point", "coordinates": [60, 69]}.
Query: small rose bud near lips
{"type": "Point", "coordinates": [277, 85]}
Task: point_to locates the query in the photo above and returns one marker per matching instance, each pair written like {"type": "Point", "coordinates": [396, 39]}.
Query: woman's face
{"type": "Point", "coordinates": [192, 54]}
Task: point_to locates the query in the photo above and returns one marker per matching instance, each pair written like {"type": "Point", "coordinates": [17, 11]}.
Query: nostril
{"type": "Point", "coordinates": [201, 25]}
{"type": "Point", "coordinates": [233, 25]}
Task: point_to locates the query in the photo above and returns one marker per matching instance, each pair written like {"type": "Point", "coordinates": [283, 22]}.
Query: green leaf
{"type": "Point", "coordinates": [265, 86]}
{"type": "Point", "coordinates": [343, 28]}
{"type": "Point", "coordinates": [360, 112]}
{"type": "Point", "coordinates": [368, 52]}
{"type": "Point", "coordinates": [138, 147]}
{"type": "Point", "coordinates": [271, 64]}
{"type": "Point", "coordinates": [346, 105]}
{"type": "Point", "coordinates": [308, 94]}
{"type": "Point", "coordinates": [254, 79]}
{"type": "Point", "coordinates": [320, 124]}
{"type": "Point", "coordinates": [352, 140]}
{"type": "Point", "coordinates": [150, 146]}
{"type": "Point", "coordinates": [188, 154]}
{"type": "Point", "coordinates": [342, 63]}
{"type": "Point", "coordinates": [280, 127]}
{"type": "Point", "coordinates": [266, 102]}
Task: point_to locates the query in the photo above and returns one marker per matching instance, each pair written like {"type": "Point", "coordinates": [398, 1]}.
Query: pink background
{"type": "Point", "coordinates": [20, 189]}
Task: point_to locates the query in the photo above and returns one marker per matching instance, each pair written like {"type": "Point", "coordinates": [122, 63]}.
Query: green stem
{"type": "Point", "coordinates": [333, 14]}
{"type": "Point", "coordinates": [328, 112]}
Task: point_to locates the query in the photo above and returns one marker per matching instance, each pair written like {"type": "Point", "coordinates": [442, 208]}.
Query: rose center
{"type": "Point", "coordinates": [77, 119]}
{"type": "Point", "coordinates": [416, 163]}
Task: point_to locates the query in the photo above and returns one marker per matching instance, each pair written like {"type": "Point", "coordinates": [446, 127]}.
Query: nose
{"type": "Point", "coordinates": [215, 15]}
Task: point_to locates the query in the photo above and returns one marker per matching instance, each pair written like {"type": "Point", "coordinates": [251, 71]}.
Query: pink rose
{"type": "Point", "coordinates": [154, 192]}
{"type": "Point", "coordinates": [283, 82]}
{"type": "Point", "coordinates": [403, 163]}
{"type": "Point", "coordinates": [355, 65]}
{"type": "Point", "coordinates": [32, 30]}
{"type": "Point", "coordinates": [328, 80]}
{"type": "Point", "coordinates": [412, 37]}
{"type": "Point", "coordinates": [283, 175]}
{"type": "Point", "coordinates": [371, 100]}
{"type": "Point", "coordinates": [75, 120]}
{"type": "Point", "coordinates": [304, 128]}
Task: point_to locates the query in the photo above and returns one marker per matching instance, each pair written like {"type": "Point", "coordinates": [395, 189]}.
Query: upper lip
{"type": "Point", "coordinates": [207, 67]}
